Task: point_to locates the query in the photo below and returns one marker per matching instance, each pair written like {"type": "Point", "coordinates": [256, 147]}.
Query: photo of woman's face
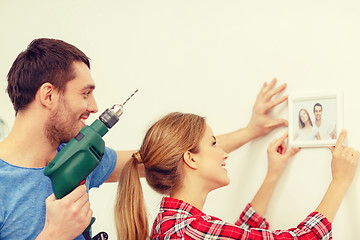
{"type": "Point", "coordinates": [304, 116]}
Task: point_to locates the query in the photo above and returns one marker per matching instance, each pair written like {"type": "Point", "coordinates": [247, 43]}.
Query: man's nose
{"type": "Point", "coordinates": [92, 107]}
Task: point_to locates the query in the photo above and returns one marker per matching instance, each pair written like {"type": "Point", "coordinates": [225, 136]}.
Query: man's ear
{"type": "Point", "coordinates": [46, 94]}
{"type": "Point", "coordinates": [190, 160]}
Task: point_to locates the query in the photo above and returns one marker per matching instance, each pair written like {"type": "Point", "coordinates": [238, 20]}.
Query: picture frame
{"type": "Point", "coordinates": [323, 116]}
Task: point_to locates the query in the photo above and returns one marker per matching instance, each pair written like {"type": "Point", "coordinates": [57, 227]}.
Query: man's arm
{"type": "Point", "coordinates": [122, 158]}
{"type": "Point", "coordinates": [260, 123]}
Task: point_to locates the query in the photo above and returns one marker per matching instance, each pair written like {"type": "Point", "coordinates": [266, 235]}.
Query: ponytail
{"type": "Point", "coordinates": [130, 213]}
{"type": "Point", "coordinates": [161, 153]}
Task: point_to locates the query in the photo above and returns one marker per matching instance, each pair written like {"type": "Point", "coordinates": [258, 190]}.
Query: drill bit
{"type": "Point", "coordinates": [129, 97]}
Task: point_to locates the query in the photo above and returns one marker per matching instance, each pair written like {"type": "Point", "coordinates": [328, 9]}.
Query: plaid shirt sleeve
{"type": "Point", "coordinates": [249, 218]}
{"type": "Point", "coordinates": [314, 227]}
{"type": "Point", "coordinates": [179, 220]}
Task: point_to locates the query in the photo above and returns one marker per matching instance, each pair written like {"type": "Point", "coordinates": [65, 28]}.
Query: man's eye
{"type": "Point", "coordinates": [214, 143]}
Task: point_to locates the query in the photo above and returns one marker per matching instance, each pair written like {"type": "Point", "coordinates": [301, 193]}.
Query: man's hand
{"type": "Point", "coordinates": [261, 123]}
{"type": "Point", "coordinates": [68, 217]}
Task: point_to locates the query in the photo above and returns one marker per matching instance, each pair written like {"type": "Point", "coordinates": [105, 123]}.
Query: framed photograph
{"type": "Point", "coordinates": [315, 120]}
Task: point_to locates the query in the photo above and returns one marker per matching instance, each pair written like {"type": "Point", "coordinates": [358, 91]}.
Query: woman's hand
{"type": "Point", "coordinates": [344, 161]}
{"type": "Point", "coordinates": [343, 167]}
{"type": "Point", "coordinates": [261, 123]}
{"type": "Point", "coordinates": [278, 156]}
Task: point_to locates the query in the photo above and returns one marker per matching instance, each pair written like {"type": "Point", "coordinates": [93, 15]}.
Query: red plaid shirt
{"type": "Point", "coordinates": [179, 220]}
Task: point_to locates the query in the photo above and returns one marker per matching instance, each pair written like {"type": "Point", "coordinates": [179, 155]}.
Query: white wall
{"type": "Point", "coordinates": [211, 58]}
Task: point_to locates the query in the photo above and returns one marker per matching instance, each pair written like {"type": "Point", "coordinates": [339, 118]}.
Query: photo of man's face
{"type": "Point", "coordinates": [317, 112]}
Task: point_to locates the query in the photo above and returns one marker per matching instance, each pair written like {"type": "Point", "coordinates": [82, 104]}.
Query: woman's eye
{"type": "Point", "coordinates": [214, 143]}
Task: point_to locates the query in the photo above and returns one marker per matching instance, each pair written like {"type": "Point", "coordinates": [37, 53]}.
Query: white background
{"type": "Point", "coordinates": [208, 57]}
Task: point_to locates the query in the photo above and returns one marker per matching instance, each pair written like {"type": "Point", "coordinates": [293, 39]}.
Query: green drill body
{"type": "Point", "coordinates": [77, 159]}
{"type": "Point", "coordinates": [82, 155]}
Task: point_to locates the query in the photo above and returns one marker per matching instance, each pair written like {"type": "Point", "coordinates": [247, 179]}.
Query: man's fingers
{"type": "Point", "coordinates": [50, 198]}
{"type": "Point", "coordinates": [76, 194]}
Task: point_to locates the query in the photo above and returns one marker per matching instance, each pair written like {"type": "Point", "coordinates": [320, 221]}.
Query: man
{"type": "Point", "coordinates": [51, 88]}
{"type": "Point", "coordinates": [325, 130]}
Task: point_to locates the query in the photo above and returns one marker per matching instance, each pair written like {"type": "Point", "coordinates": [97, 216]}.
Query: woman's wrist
{"type": "Point", "coordinates": [252, 132]}
{"type": "Point", "coordinates": [272, 177]}
{"type": "Point", "coordinates": [333, 198]}
{"type": "Point", "coordinates": [340, 184]}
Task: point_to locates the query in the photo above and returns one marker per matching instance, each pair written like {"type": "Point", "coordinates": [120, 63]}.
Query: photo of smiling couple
{"type": "Point", "coordinates": [321, 129]}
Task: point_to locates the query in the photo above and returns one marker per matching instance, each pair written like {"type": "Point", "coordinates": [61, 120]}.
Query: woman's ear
{"type": "Point", "coordinates": [190, 160]}
{"type": "Point", "coordinates": [46, 94]}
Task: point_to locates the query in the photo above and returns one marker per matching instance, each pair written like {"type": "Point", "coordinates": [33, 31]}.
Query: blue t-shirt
{"type": "Point", "coordinates": [23, 192]}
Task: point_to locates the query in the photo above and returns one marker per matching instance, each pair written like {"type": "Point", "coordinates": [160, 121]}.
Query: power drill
{"type": "Point", "coordinates": [81, 156]}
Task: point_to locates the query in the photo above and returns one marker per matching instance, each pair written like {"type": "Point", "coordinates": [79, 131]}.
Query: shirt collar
{"type": "Point", "coordinates": [179, 206]}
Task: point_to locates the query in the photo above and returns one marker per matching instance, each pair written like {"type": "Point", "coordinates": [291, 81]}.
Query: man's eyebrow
{"type": "Point", "coordinates": [89, 87]}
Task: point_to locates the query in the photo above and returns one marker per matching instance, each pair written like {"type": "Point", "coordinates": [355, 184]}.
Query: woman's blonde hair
{"type": "Point", "coordinates": [161, 153]}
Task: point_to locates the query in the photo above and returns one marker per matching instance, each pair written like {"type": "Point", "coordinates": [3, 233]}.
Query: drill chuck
{"type": "Point", "coordinates": [111, 115]}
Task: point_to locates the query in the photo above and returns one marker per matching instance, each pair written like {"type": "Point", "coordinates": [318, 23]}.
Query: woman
{"type": "Point", "coordinates": [306, 130]}
{"type": "Point", "coordinates": [181, 160]}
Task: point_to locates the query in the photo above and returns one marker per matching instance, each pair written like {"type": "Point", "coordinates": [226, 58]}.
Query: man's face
{"type": "Point", "coordinates": [74, 106]}
{"type": "Point", "coordinates": [318, 112]}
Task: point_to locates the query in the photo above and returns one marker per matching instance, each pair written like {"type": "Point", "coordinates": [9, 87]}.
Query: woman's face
{"type": "Point", "coordinates": [304, 116]}
{"type": "Point", "coordinates": [211, 162]}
